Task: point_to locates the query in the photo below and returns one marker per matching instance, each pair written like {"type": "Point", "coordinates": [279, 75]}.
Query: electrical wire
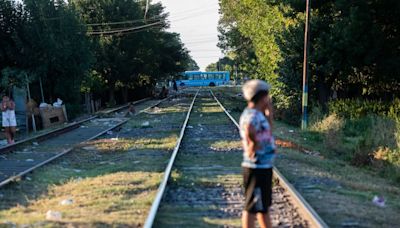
{"type": "Point", "coordinates": [122, 22]}
{"type": "Point", "coordinates": [123, 30]}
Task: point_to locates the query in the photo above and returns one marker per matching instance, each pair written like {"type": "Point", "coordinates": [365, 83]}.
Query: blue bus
{"type": "Point", "coordinates": [198, 78]}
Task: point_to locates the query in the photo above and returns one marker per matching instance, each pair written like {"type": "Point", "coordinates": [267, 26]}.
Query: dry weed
{"type": "Point", "coordinates": [332, 127]}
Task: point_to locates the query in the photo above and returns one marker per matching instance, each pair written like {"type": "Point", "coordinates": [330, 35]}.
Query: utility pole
{"type": "Point", "coordinates": [236, 74]}
{"type": "Point", "coordinates": [304, 120]}
{"type": "Point", "coordinates": [41, 88]}
{"type": "Point", "coordinates": [32, 114]}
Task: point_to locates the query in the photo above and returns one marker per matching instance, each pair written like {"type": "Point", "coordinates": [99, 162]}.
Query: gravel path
{"type": "Point", "coordinates": [30, 155]}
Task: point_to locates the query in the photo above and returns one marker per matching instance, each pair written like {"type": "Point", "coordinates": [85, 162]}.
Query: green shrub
{"type": "Point", "coordinates": [73, 110]}
{"type": "Point", "coordinates": [356, 127]}
{"type": "Point", "coordinates": [290, 115]}
{"type": "Point", "coordinates": [332, 128]}
{"type": "Point", "coordinates": [387, 162]}
{"type": "Point", "coordinates": [316, 115]}
{"type": "Point", "coordinates": [394, 110]}
{"type": "Point", "coordinates": [330, 123]}
{"type": "Point", "coordinates": [397, 134]}
{"type": "Point", "coordinates": [376, 132]}
{"type": "Point", "coordinates": [353, 109]}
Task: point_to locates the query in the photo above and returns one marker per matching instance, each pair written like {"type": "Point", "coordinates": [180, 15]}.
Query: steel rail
{"type": "Point", "coordinates": [45, 135]}
{"type": "Point", "coordinates": [108, 111]}
{"type": "Point", "coordinates": [21, 174]}
{"type": "Point", "coordinates": [156, 203]}
{"type": "Point", "coordinates": [305, 209]}
{"type": "Point", "coordinates": [61, 130]}
{"type": "Point", "coordinates": [66, 151]}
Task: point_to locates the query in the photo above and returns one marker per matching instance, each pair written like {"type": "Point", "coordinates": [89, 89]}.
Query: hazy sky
{"type": "Point", "coordinates": [196, 21]}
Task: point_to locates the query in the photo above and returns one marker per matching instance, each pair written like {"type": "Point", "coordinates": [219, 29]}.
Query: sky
{"type": "Point", "coordinates": [196, 21]}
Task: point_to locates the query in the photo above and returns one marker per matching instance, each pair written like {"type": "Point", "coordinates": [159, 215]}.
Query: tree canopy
{"type": "Point", "coordinates": [354, 46]}
{"type": "Point", "coordinates": [87, 46]}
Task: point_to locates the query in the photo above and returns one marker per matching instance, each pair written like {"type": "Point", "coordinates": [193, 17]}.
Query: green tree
{"type": "Point", "coordinates": [124, 59]}
{"type": "Point", "coordinates": [12, 19]}
{"type": "Point", "coordinates": [353, 48]}
{"type": "Point", "coordinates": [55, 48]}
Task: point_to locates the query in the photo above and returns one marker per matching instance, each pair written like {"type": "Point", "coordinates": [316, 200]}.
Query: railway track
{"type": "Point", "coordinates": [294, 196]}
{"type": "Point", "coordinates": [40, 150]}
{"type": "Point", "coordinates": [69, 127]}
{"type": "Point", "coordinates": [125, 168]}
{"type": "Point", "coordinates": [202, 184]}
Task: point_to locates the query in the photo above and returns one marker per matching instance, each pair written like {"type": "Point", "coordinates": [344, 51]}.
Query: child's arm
{"type": "Point", "coordinates": [3, 106]}
{"type": "Point", "coordinates": [269, 112]}
{"type": "Point", "coordinates": [250, 137]}
{"type": "Point", "coordinates": [11, 105]}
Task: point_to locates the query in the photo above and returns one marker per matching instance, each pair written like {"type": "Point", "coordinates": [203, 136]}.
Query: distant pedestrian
{"type": "Point", "coordinates": [258, 153]}
{"type": "Point", "coordinates": [175, 86]}
{"type": "Point", "coordinates": [164, 93]}
{"type": "Point", "coordinates": [9, 120]}
{"type": "Point", "coordinates": [131, 110]}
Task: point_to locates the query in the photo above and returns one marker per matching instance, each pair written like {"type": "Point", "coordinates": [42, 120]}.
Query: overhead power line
{"type": "Point", "coordinates": [124, 30]}
{"type": "Point", "coordinates": [122, 22]}
{"type": "Point", "coordinates": [177, 17]}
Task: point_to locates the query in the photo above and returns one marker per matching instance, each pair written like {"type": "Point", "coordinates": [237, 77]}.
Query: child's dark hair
{"type": "Point", "coordinates": [259, 95]}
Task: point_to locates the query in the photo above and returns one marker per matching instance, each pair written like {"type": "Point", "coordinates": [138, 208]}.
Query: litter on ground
{"type": "Point", "coordinates": [53, 215]}
{"type": "Point", "coordinates": [89, 148]}
{"type": "Point", "coordinates": [67, 202]}
{"type": "Point", "coordinates": [379, 201]}
{"type": "Point", "coordinates": [146, 124]}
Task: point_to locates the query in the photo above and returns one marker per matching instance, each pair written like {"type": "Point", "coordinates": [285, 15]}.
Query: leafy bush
{"type": "Point", "coordinates": [354, 109]}
{"type": "Point", "coordinates": [289, 114]}
{"type": "Point", "coordinates": [387, 161]}
{"type": "Point", "coordinates": [394, 110]}
{"type": "Point", "coordinates": [332, 128]}
{"type": "Point", "coordinates": [356, 139]}
{"type": "Point", "coordinates": [397, 134]}
{"type": "Point", "coordinates": [73, 110]}
{"type": "Point", "coordinates": [331, 123]}
{"type": "Point", "coordinates": [316, 115]}
{"type": "Point", "coordinates": [376, 132]}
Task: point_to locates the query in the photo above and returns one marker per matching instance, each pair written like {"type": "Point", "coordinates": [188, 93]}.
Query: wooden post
{"type": "Point", "coordinates": [32, 115]}
{"type": "Point", "coordinates": [304, 120]}
{"type": "Point", "coordinates": [41, 88]}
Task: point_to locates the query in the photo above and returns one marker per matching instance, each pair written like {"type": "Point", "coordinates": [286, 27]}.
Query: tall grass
{"type": "Point", "coordinates": [371, 140]}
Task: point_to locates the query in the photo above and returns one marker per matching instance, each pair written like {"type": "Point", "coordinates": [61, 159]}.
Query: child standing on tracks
{"type": "Point", "coordinates": [258, 154]}
{"type": "Point", "coordinates": [9, 121]}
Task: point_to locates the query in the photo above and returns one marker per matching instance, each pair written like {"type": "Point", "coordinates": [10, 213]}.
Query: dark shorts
{"type": "Point", "coordinates": [258, 190]}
